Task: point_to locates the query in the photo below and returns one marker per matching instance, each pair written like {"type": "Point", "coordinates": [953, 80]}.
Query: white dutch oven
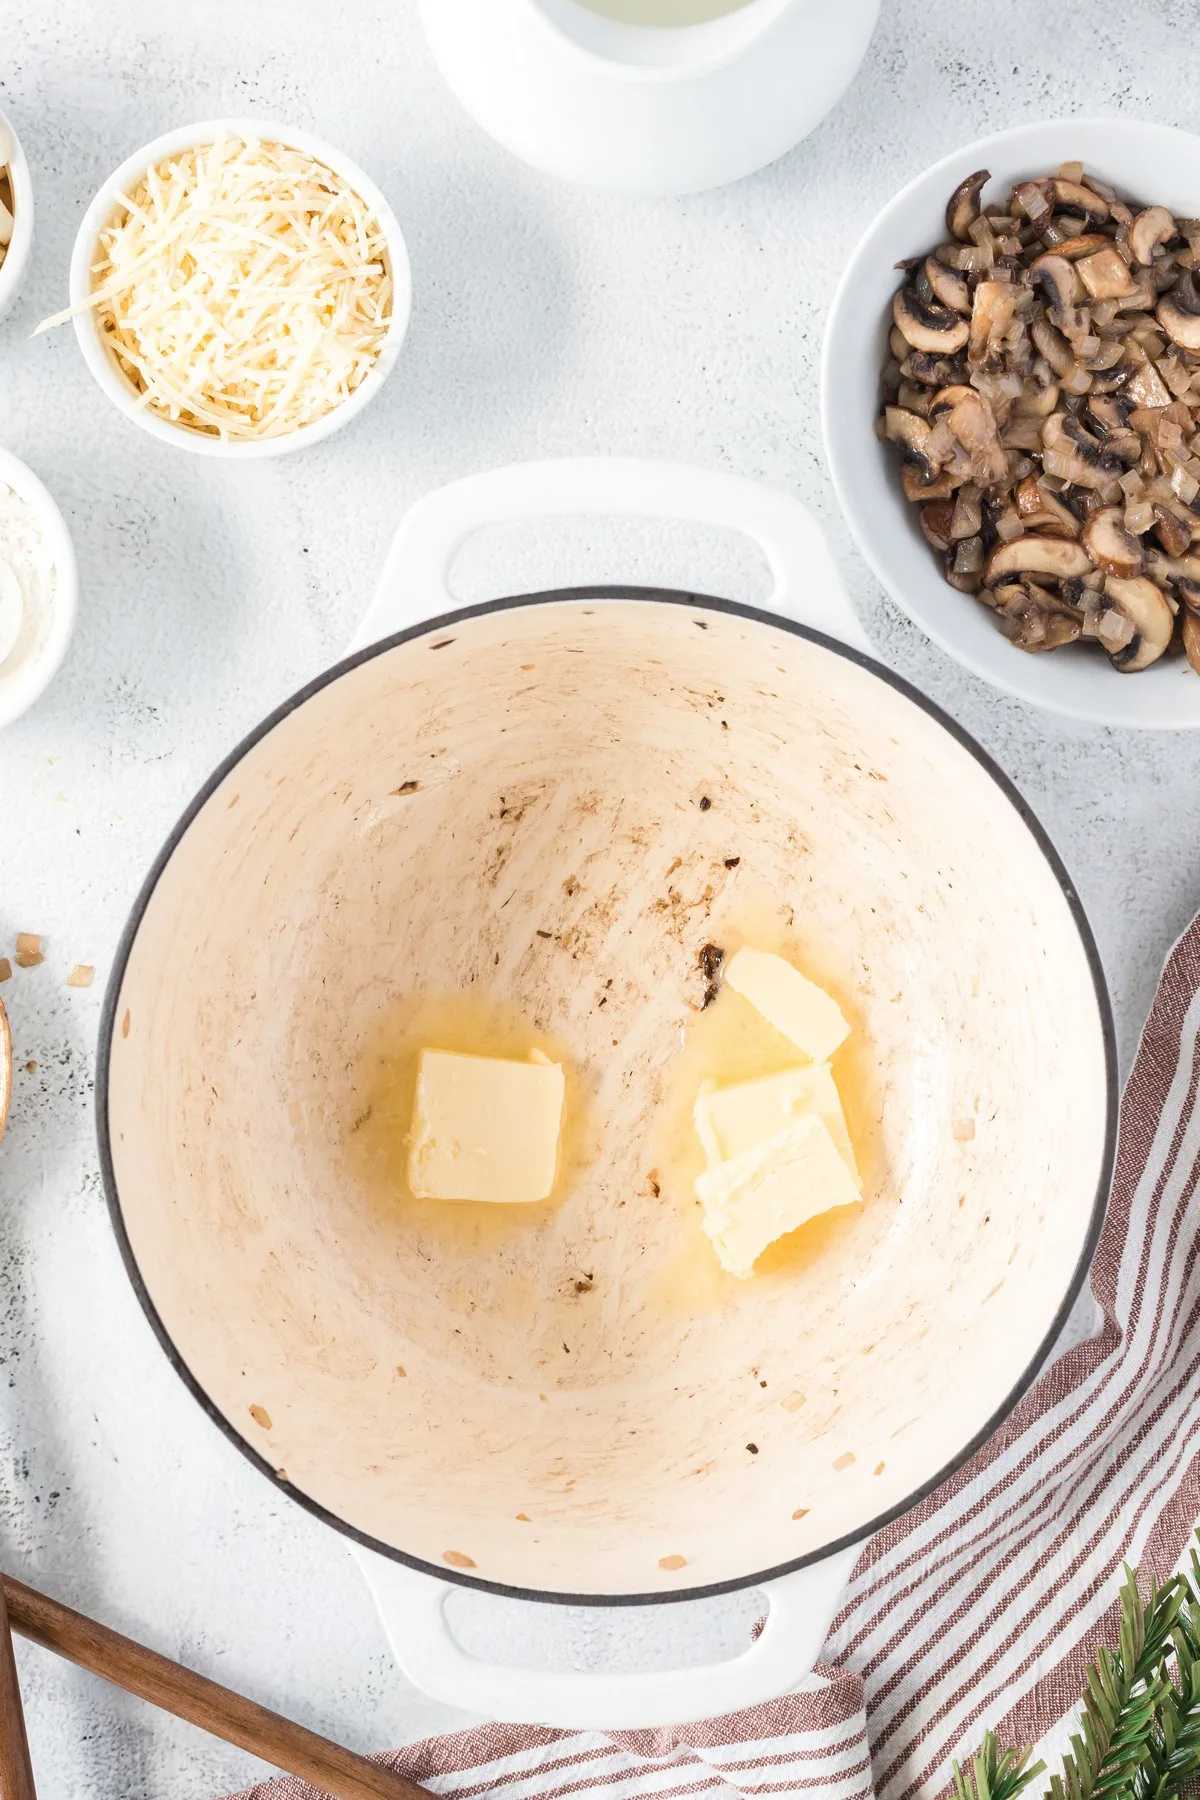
{"type": "Point", "coordinates": [648, 109]}
{"type": "Point", "coordinates": [418, 819]}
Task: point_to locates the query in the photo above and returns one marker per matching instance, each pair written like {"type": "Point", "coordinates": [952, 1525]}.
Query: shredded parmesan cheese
{"type": "Point", "coordinates": [243, 288]}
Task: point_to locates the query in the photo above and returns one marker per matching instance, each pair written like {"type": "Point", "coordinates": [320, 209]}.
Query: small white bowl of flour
{"type": "Point", "coordinates": [38, 588]}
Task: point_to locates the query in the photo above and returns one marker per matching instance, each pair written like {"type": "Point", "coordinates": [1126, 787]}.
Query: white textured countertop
{"type": "Point", "coordinates": [545, 322]}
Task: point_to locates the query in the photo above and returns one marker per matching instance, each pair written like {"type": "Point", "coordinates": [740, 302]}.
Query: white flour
{"type": "Point", "coordinates": [24, 550]}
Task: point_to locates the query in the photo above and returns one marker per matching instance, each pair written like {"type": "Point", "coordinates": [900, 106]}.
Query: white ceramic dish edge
{"type": "Point", "coordinates": [1149, 162]}
{"type": "Point", "coordinates": [109, 378]}
{"type": "Point", "coordinates": [16, 261]}
{"type": "Point", "coordinates": [19, 692]}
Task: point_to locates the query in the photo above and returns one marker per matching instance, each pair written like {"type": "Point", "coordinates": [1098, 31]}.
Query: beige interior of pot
{"type": "Point", "coordinates": [503, 825]}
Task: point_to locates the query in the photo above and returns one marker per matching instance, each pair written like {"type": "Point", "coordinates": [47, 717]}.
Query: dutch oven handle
{"type": "Point", "coordinates": [414, 588]}
{"type": "Point", "coordinates": [807, 585]}
{"type": "Point", "coordinates": [801, 1607]}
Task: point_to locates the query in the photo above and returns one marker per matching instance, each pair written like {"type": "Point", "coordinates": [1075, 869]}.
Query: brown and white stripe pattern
{"type": "Point", "coordinates": [983, 1605]}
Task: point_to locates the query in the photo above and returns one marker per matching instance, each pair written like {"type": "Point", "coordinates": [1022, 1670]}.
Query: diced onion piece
{"type": "Point", "coordinates": [1108, 355]}
{"type": "Point", "coordinates": [1114, 629]}
{"type": "Point", "coordinates": [1177, 378]}
{"type": "Point", "coordinates": [1139, 517]}
{"type": "Point", "coordinates": [1184, 485]}
{"type": "Point", "coordinates": [967, 516]}
{"type": "Point", "coordinates": [1022, 434]}
{"type": "Point", "coordinates": [1055, 463]}
{"type": "Point", "coordinates": [1151, 341]}
{"type": "Point", "coordinates": [942, 442]}
{"type": "Point", "coordinates": [973, 260]}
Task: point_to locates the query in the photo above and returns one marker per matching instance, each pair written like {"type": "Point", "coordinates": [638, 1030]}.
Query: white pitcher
{"type": "Point", "coordinates": [648, 97]}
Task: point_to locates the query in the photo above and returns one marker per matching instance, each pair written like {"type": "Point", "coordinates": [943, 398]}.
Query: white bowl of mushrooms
{"type": "Point", "coordinates": [16, 215]}
{"type": "Point", "coordinates": [1011, 406]}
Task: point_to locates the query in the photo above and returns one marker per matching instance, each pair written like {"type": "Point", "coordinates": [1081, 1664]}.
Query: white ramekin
{"type": "Point", "coordinates": [121, 392]}
{"type": "Point", "coordinates": [16, 258]}
{"type": "Point", "coordinates": [30, 679]}
{"type": "Point", "coordinates": [1143, 161]}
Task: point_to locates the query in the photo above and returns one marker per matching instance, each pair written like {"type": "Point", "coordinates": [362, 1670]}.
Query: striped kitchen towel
{"type": "Point", "coordinates": [982, 1606]}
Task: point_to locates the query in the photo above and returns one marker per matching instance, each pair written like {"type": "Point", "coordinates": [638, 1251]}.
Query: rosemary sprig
{"type": "Point", "coordinates": [1173, 1752]}
{"type": "Point", "coordinates": [1139, 1734]}
{"type": "Point", "coordinates": [996, 1774]}
{"type": "Point", "coordinates": [1125, 1690]}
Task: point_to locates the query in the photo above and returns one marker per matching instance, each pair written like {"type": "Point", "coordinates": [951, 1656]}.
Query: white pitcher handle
{"type": "Point", "coordinates": [412, 1608]}
{"type": "Point", "coordinates": [808, 586]}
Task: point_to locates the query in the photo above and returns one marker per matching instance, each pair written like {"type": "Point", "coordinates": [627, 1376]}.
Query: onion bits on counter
{"type": "Point", "coordinates": [242, 288]}
{"type": "Point", "coordinates": [1043, 391]}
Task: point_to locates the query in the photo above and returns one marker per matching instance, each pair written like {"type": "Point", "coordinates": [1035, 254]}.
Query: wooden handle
{"type": "Point", "coordinates": [202, 1702]}
{"type": "Point", "coordinates": [16, 1772]}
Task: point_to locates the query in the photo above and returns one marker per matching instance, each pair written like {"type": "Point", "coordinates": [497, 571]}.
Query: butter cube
{"type": "Point", "coordinates": [756, 1197]}
{"type": "Point", "coordinates": [485, 1128]}
{"type": "Point", "coordinates": [797, 1008]}
{"type": "Point", "coordinates": [732, 1120]}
